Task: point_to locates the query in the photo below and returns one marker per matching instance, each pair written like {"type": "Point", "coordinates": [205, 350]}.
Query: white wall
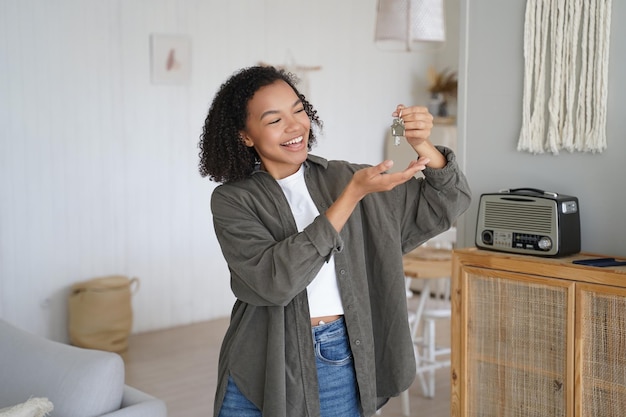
{"type": "Point", "coordinates": [98, 166]}
{"type": "Point", "coordinates": [490, 120]}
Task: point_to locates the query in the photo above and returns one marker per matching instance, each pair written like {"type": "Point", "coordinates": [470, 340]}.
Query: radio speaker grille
{"type": "Point", "coordinates": [530, 218]}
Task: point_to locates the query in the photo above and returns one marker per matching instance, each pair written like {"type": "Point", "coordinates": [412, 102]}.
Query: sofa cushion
{"type": "Point", "coordinates": [79, 382]}
{"type": "Point", "coordinates": [34, 407]}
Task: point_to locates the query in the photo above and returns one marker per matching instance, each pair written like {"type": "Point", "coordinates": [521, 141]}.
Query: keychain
{"type": "Point", "coordinates": [397, 128]}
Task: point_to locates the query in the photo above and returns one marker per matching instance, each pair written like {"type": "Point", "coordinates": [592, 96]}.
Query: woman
{"type": "Point", "coordinates": [314, 248]}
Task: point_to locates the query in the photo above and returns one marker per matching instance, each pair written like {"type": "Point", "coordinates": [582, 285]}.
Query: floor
{"type": "Point", "coordinates": [178, 365]}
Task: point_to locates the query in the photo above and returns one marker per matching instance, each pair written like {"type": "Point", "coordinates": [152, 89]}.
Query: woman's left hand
{"type": "Point", "coordinates": [418, 123]}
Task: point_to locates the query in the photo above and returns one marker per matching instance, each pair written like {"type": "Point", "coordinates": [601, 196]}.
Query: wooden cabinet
{"type": "Point", "coordinates": [536, 336]}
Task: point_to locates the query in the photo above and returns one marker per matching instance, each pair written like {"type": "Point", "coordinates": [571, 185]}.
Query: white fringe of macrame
{"type": "Point", "coordinates": [578, 85]}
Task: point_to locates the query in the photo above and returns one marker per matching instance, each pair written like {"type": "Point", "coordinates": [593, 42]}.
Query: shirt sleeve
{"type": "Point", "coordinates": [433, 203]}
{"type": "Point", "coordinates": [269, 261]}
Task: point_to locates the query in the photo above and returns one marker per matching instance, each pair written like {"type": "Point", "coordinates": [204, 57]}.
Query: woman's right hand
{"type": "Point", "coordinates": [376, 178]}
{"type": "Point", "coordinates": [366, 181]}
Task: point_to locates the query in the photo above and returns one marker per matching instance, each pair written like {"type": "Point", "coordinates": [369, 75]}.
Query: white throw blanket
{"type": "Point", "coordinates": [34, 407]}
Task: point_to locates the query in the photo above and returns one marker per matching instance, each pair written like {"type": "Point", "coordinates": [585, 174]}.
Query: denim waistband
{"type": "Point", "coordinates": [333, 330]}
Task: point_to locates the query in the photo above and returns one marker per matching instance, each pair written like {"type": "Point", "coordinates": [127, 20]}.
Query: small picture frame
{"type": "Point", "coordinates": [170, 57]}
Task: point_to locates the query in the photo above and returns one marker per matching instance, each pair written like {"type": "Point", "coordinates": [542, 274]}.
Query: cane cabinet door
{"type": "Point", "coordinates": [518, 344]}
{"type": "Point", "coordinates": [601, 348]}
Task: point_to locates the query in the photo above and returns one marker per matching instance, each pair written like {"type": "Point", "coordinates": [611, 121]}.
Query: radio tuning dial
{"type": "Point", "coordinates": [545, 243]}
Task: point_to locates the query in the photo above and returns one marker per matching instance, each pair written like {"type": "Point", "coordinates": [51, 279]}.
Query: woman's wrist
{"type": "Point", "coordinates": [428, 150]}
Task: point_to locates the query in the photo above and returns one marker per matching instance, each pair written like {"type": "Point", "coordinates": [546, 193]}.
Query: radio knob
{"type": "Point", "coordinates": [545, 243]}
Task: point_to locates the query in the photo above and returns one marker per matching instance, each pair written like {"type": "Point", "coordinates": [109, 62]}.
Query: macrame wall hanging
{"type": "Point", "coordinates": [300, 71]}
{"type": "Point", "coordinates": [566, 57]}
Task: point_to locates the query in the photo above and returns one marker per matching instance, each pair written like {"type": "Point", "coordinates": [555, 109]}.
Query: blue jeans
{"type": "Point", "coordinates": [339, 396]}
{"type": "Point", "coordinates": [236, 404]}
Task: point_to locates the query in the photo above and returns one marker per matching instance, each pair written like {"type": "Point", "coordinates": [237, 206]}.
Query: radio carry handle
{"type": "Point", "coordinates": [534, 190]}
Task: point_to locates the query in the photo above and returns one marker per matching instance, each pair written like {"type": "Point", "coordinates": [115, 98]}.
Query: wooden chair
{"type": "Point", "coordinates": [431, 266]}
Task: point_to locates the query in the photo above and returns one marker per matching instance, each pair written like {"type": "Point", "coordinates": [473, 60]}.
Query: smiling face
{"type": "Point", "coordinates": [278, 128]}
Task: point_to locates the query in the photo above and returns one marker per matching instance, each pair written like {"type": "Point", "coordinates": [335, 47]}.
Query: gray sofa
{"type": "Point", "coordinates": [79, 382]}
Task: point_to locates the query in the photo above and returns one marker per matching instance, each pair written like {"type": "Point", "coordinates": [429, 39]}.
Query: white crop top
{"type": "Point", "coordinates": [322, 292]}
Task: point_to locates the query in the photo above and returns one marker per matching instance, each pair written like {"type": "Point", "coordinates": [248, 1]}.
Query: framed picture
{"type": "Point", "coordinates": [170, 57]}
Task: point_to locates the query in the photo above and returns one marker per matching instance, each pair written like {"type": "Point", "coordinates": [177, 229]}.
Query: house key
{"type": "Point", "coordinates": [397, 129]}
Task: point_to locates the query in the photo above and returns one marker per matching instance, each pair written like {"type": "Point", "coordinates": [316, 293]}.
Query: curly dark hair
{"type": "Point", "coordinates": [223, 155]}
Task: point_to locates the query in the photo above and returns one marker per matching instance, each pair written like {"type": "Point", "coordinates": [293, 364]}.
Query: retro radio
{"type": "Point", "coordinates": [529, 221]}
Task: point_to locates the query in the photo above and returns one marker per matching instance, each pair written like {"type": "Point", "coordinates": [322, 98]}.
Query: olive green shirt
{"type": "Point", "coordinates": [268, 348]}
